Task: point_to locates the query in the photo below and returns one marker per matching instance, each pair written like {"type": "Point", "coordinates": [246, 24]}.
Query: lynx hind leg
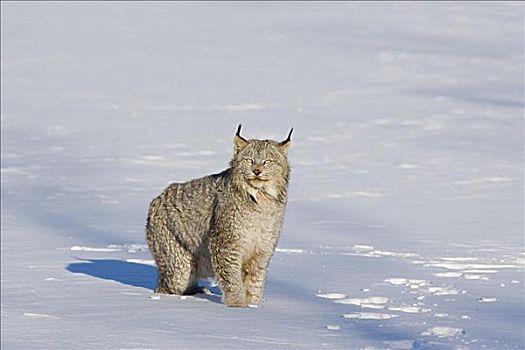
{"type": "Point", "coordinates": [175, 264]}
{"type": "Point", "coordinates": [178, 277]}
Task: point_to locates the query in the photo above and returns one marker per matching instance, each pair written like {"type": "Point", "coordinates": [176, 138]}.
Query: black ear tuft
{"type": "Point", "coordinates": [238, 133]}
{"type": "Point", "coordinates": [239, 142]}
{"type": "Point", "coordinates": [288, 139]}
{"type": "Point", "coordinates": [283, 145]}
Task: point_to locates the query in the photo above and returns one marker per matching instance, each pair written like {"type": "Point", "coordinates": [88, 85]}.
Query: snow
{"type": "Point", "coordinates": [370, 316]}
{"type": "Point", "coordinates": [288, 250]}
{"type": "Point", "coordinates": [444, 331]}
{"type": "Point", "coordinates": [90, 249]}
{"type": "Point", "coordinates": [333, 327]}
{"type": "Point", "coordinates": [331, 295]}
{"type": "Point", "coordinates": [407, 170]}
{"type": "Point", "coordinates": [487, 300]}
{"type": "Point", "coordinates": [374, 302]}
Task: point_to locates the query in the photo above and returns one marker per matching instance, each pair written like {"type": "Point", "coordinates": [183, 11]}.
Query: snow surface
{"type": "Point", "coordinates": [404, 228]}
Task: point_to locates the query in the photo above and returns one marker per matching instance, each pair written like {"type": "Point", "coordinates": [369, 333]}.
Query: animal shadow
{"type": "Point", "coordinates": [132, 274]}
{"type": "Point", "coordinates": [129, 273]}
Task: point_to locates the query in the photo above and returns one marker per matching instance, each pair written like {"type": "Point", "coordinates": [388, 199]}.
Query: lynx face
{"type": "Point", "coordinates": [262, 165]}
{"type": "Point", "coordinates": [260, 162]}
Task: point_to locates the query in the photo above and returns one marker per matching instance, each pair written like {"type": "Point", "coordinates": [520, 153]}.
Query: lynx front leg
{"type": "Point", "coordinates": [254, 279]}
{"type": "Point", "coordinates": [228, 273]}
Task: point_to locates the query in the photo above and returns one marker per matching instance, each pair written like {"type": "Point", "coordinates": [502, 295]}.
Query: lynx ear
{"type": "Point", "coordinates": [239, 142]}
{"type": "Point", "coordinates": [283, 145]}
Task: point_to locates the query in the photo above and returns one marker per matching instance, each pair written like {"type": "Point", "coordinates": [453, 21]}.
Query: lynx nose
{"type": "Point", "coordinates": [257, 172]}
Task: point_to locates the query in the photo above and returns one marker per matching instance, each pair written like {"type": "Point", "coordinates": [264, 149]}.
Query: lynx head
{"type": "Point", "coordinates": [260, 167]}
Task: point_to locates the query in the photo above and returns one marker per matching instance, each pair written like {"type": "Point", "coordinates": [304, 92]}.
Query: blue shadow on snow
{"type": "Point", "coordinates": [132, 274]}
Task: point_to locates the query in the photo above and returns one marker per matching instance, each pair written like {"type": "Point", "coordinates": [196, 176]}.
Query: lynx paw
{"type": "Point", "coordinates": [253, 300]}
{"type": "Point", "coordinates": [238, 301]}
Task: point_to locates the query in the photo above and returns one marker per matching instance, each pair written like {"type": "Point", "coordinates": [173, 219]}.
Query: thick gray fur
{"type": "Point", "coordinates": [223, 226]}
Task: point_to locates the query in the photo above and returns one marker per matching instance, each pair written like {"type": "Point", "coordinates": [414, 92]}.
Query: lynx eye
{"type": "Point", "coordinates": [248, 160]}
{"type": "Point", "coordinates": [268, 161]}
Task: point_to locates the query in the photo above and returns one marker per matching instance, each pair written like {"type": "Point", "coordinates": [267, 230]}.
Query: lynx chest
{"type": "Point", "coordinates": [260, 229]}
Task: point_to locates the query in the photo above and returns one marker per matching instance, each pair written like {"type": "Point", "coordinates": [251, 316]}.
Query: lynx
{"type": "Point", "coordinates": [223, 226]}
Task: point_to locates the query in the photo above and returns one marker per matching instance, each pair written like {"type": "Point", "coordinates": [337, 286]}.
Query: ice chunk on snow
{"type": "Point", "coordinates": [460, 259]}
{"type": "Point", "coordinates": [475, 277]}
{"type": "Point", "coordinates": [397, 281]}
{"type": "Point", "coordinates": [331, 295]}
{"type": "Point", "coordinates": [284, 250]}
{"type": "Point", "coordinates": [466, 266]}
{"type": "Point", "coordinates": [411, 283]}
{"type": "Point", "coordinates": [369, 316]}
{"type": "Point", "coordinates": [142, 261]}
{"type": "Point", "coordinates": [444, 331]}
{"type": "Point", "coordinates": [443, 291]}
{"type": "Point", "coordinates": [362, 248]}
{"type": "Point", "coordinates": [448, 274]}
{"type": "Point", "coordinates": [480, 271]}
{"type": "Point", "coordinates": [371, 302]}
{"type": "Point", "coordinates": [90, 249]}
{"type": "Point", "coordinates": [487, 300]}
{"type": "Point", "coordinates": [408, 166]}
{"type": "Point", "coordinates": [333, 327]}
{"type": "Point", "coordinates": [409, 309]}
